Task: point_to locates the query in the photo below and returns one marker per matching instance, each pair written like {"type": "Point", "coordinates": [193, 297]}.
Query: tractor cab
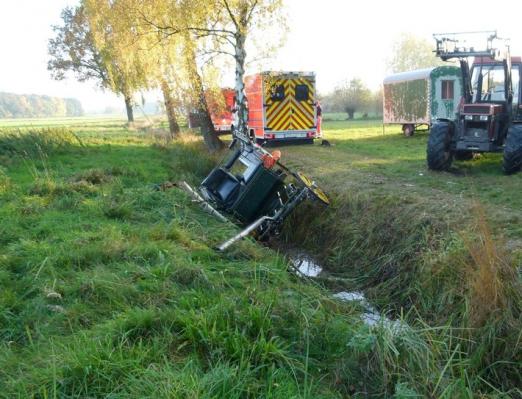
{"type": "Point", "coordinates": [484, 121]}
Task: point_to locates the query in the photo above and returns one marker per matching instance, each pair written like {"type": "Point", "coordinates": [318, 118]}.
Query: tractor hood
{"type": "Point", "coordinates": [481, 109]}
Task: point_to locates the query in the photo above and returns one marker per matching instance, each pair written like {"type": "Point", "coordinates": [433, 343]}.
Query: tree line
{"type": "Point", "coordinates": [176, 46]}
{"type": "Point", "coordinates": [35, 106]}
{"type": "Point", "coordinates": [179, 46]}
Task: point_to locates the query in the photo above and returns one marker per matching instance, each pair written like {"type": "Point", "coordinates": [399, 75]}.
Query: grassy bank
{"type": "Point", "coordinates": [111, 288]}
{"type": "Point", "coordinates": [441, 249]}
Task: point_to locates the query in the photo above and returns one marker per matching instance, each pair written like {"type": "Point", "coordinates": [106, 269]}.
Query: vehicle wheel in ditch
{"type": "Point", "coordinates": [513, 150]}
{"type": "Point", "coordinates": [439, 152]}
{"type": "Point", "coordinates": [464, 155]}
{"type": "Point", "coordinates": [408, 129]}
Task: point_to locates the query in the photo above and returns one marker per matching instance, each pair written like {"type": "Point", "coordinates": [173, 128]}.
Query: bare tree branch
{"type": "Point", "coordinates": [231, 14]}
{"type": "Point", "coordinates": [249, 16]}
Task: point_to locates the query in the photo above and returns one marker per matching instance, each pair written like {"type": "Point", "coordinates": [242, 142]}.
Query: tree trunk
{"type": "Point", "coordinates": [210, 136]}
{"type": "Point", "coordinates": [350, 113]}
{"type": "Point", "coordinates": [128, 106]}
{"type": "Point", "coordinates": [241, 115]}
{"type": "Point", "coordinates": [169, 107]}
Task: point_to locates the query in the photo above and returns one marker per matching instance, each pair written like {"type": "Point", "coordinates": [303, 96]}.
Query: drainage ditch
{"type": "Point", "coordinates": [305, 266]}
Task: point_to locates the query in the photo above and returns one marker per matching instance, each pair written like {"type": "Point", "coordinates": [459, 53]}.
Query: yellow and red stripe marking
{"type": "Point", "coordinates": [290, 114]}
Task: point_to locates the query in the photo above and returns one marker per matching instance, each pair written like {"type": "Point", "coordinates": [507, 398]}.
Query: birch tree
{"type": "Point", "coordinates": [231, 23]}
{"type": "Point", "coordinates": [224, 27]}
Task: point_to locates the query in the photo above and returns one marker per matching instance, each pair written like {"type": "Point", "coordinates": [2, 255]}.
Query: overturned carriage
{"type": "Point", "coordinates": [254, 189]}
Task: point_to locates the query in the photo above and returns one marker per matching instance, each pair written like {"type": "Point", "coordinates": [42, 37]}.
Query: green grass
{"type": "Point", "coordinates": [363, 155]}
{"type": "Point", "coordinates": [442, 247]}
{"type": "Point", "coordinates": [109, 288]}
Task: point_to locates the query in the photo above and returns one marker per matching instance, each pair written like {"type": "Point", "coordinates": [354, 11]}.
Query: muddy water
{"type": "Point", "coordinates": [306, 266]}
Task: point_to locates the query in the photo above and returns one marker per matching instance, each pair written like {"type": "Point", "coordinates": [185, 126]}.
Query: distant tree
{"type": "Point", "coordinates": [73, 107]}
{"type": "Point", "coordinates": [350, 97]}
{"type": "Point", "coordinates": [376, 102]}
{"type": "Point", "coordinates": [410, 52]}
{"type": "Point", "coordinates": [74, 50]}
{"type": "Point", "coordinates": [157, 56]}
{"type": "Point", "coordinates": [29, 106]}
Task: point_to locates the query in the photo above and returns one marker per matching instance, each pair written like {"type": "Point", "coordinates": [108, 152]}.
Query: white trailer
{"type": "Point", "coordinates": [416, 98]}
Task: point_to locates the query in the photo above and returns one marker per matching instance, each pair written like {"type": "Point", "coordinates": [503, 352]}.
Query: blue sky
{"type": "Point", "coordinates": [338, 39]}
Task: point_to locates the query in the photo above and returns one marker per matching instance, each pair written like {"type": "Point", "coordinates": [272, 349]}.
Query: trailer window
{"type": "Point", "coordinates": [278, 93]}
{"type": "Point", "coordinates": [447, 89]}
{"type": "Point", "coordinates": [301, 93]}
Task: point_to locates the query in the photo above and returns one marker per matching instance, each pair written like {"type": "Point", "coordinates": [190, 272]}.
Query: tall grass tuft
{"type": "Point", "coordinates": [189, 160]}
{"type": "Point", "coordinates": [34, 142]}
{"type": "Point", "coordinates": [494, 287]}
{"type": "Point", "coordinates": [5, 181]}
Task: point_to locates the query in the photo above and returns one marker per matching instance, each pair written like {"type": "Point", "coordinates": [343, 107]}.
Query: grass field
{"type": "Point", "coordinates": [363, 154]}
{"type": "Point", "coordinates": [110, 288]}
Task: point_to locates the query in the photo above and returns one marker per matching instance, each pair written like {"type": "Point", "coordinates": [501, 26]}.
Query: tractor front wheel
{"type": "Point", "coordinates": [513, 150]}
{"type": "Point", "coordinates": [439, 152]}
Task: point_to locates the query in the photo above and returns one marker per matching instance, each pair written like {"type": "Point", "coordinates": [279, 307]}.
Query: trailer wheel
{"type": "Point", "coordinates": [513, 150]}
{"type": "Point", "coordinates": [464, 155]}
{"type": "Point", "coordinates": [408, 129]}
{"type": "Point", "coordinates": [439, 152]}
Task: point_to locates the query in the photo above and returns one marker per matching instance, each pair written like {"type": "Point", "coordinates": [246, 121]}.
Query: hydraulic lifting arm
{"type": "Point", "coordinates": [452, 46]}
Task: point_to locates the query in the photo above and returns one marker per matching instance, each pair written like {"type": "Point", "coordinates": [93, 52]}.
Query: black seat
{"type": "Point", "coordinates": [223, 185]}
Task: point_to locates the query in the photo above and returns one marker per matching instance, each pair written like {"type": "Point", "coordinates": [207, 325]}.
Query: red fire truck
{"type": "Point", "coordinates": [282, 106]}
{"type": "Point", "coordinates": [221, 114]}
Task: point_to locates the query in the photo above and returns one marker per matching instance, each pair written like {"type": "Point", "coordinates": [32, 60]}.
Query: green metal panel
{"type": "Point", "coordinates": [262, 185]}
{"type": "Point", "coordinates": [445, 108]}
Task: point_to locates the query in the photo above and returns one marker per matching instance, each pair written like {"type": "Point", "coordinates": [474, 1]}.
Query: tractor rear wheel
{"type": "Point", "coordinates": [513, 150]}
{"type": "Point", "coordinates": [439, 152]}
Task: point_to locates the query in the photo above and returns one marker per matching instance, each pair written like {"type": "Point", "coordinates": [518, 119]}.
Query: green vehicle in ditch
{"type": "Point", "coordinates": [420, 97]}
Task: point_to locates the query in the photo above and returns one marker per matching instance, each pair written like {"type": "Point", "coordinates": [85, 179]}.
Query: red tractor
{"type": "Point", "coordinates": [490, 114]}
